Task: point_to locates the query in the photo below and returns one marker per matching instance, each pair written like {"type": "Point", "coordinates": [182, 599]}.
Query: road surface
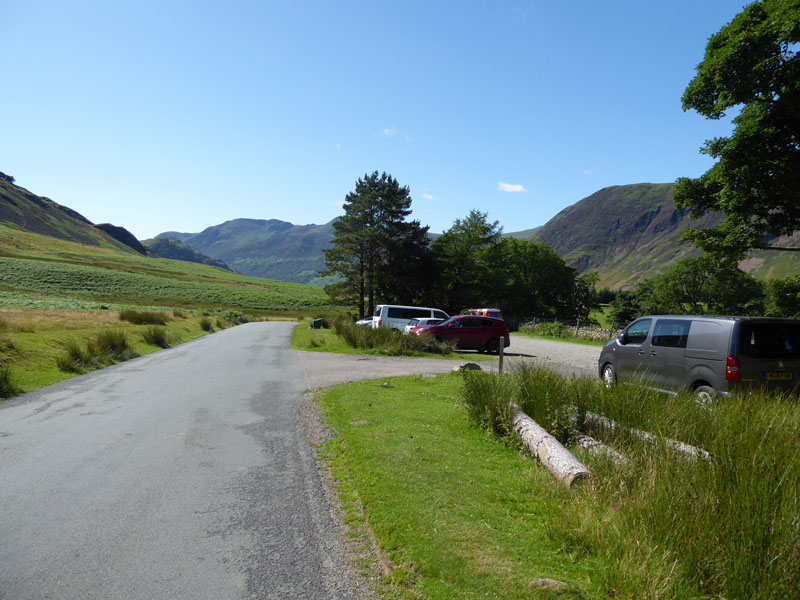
{"type": "Point", "coordinates": [180, 474]}
{"type": "Point", "coordinates": [186, 474]}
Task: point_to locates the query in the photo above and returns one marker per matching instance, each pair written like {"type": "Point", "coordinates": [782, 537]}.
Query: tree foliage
{"type": "Point", "coordinates": [374, 249]}
{"type": "Point", "coordinates": [699, 286]}
{"type": "Point", "coordinates": [750, 63]}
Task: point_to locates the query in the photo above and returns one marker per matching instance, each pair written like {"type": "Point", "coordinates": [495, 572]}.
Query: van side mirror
{"type": "Point", "coordinates": [622, 338]}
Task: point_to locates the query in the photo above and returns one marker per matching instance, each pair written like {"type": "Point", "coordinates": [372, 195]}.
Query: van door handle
{"type": "Point", "coordinates": [653, 353]}
{"type": "Point", "coordinates": [641, 352]}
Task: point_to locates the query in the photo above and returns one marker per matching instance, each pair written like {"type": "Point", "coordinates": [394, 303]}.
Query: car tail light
{"type": "Point", "coordinates": [732, 369]}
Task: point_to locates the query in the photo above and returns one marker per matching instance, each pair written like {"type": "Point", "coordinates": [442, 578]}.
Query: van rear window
{"type": "Point", "coordinates": [770, 340]}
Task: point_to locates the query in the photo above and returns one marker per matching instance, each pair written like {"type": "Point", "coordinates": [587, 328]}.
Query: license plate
{"type": "Point", "coordinates": [779, 375]}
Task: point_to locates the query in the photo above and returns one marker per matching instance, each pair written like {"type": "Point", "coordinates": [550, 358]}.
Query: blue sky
{"type": "Point", "coordinates": [160, 115]}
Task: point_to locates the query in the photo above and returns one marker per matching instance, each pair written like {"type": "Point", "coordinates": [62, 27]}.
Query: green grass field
{"type": "Point", "coordinates": [40, 270]}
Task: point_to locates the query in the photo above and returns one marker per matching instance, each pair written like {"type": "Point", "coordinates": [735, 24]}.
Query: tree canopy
{"type": "Point", "coordinates": [752, 63]}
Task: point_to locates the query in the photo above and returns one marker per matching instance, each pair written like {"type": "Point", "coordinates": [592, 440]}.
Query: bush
{"type": "Point", "coordinates": [7, 386]}
{"type": "Point", "coordinates": [156, 335]}
{"type": "Point", "coordinates": [206, 325]}
{"type": "Point", "coordinates": [138, 317]}
{"type": "Point", "coordinates": [235, 317]}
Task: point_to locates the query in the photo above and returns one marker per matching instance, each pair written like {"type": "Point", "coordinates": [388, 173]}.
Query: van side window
{"type": "Point", "coordinates": [671, 333]}
{"type": "Point", "coordinates": [637, 333]}
{"type": "Point", "coordinates": [437, 314]}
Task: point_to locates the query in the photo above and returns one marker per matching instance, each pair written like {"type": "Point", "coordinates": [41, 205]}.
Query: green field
{"type": "Point", "coordinates": [34, 266]}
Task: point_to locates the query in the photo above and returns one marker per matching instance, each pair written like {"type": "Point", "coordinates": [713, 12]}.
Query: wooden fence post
{"type": "Point", "coordinates": [500, 347]}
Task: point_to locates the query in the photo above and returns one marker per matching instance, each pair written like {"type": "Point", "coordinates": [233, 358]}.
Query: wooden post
{"type": "Point", "coordinates": [500, 346]}
{"type": "Point", "coordinates": [577, 327]}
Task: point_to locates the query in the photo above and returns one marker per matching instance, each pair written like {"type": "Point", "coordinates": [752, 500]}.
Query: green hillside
{"type": "Point", "coordinates": [265, 248]}
{"type": "Point", "coordinates": [630, 232]}
{"type": "Point", "coordinates": [43, 216]}
{"type": "Point", "coordinates": [169, 247]}
{"type": "Point", "coordinates": [37, 271]}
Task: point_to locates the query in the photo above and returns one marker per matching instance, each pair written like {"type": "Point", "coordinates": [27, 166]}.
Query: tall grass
{"type": "Point", "coordinates": [8, 387]}
{"type": "Point", "coordinates": [156, 335]}
{"type": "Point", "coordinates": [104, 348]}
{"type": "Point", "coordinates": [389, 341]}
{"type": "Point", "coordinates": [675, 526]}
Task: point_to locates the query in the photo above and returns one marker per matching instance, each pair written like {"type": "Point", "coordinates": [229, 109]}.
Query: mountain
{"type": "Point", "coordinates": [629, 232]}
{"type": "Point", "coordinates": [41, 215]}
{"type": "Point", "coordinates": [170, 247]}
{"type": "Point", "coordinates": [265, 248]}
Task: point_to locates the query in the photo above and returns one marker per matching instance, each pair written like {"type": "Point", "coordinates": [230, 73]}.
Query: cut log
{"type": "Point", "coordinates": [547, 450]}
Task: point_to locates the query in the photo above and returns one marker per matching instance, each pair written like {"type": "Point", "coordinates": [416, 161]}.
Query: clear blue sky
{"type": "Point", "coordinates": [167, 115]}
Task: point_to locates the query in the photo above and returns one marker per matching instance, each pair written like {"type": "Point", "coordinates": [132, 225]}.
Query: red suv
{"type": "Point", "coordinates": [480, 333]}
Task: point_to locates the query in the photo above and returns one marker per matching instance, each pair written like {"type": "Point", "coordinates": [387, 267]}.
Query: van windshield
{"type": "Point", "coordinates": [770, 340]}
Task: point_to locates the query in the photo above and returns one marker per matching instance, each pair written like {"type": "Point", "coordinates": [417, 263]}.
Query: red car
{"type": "Point", "coordinates": [479, 333]}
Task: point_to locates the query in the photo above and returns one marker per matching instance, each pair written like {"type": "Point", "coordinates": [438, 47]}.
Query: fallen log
{"type": "Point", "coordinates": [691, 451]}
{"type": "Point", "coordinates": [596, 448]}
{"type": "Point", "coordinates": [547, 450]}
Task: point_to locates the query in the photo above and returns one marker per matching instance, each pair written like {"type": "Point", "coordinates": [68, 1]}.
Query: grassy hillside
{"type": "Point", "coordinates": [52, 273]}
{"type": "Point", "coordinates": [630, 232]}
{"type": "Point", "coordinates": [41, 215]}
{"type": "Point", "coordinates": [265, 248]}
{"type": "Point", "coordinates": [168, 247]}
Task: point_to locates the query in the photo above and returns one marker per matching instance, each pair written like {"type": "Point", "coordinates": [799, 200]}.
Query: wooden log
{"type": "Point", "coordinates": [597, 448]}
{"type": "Point", "coordinates": [687, 449]}
{"type": "Point", "coordinates": [547, 450]}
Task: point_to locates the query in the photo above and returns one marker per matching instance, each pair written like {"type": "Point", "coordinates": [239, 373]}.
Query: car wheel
{"type": "Point", "coordinates": [609, 376]}
{"type": "Point", "coordinates": [492, 346]}
{"type": "Point", "coordinates": [705, 395]}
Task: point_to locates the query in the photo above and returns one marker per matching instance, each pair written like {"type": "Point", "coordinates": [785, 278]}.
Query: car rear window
{"type": "Point", "coordinates": [770, 340]}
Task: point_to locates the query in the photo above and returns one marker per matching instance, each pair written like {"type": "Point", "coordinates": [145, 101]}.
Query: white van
{"type": "Point", "coordinates": [397, 317]}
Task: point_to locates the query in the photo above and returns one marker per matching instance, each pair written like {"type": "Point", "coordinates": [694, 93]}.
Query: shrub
{"type": "Point", "coordinates": [176, 314]}
{"type": "Point", "coordinates": [7, 386]}
{"type": "Point", "coordinates": [221, 324]}
{"type": "Point", "coordinates": [235, 317]}
{"type": "Point", "coordinates": [4, 325]}
{"type": "Point", "coordinates": [138, 317]}
{"type": "Point", "coordinates": [206, 325]}
{"type": "Point", "coordinates": [74, 358]}
{"type": "Point", "coordinates": [156, 335]}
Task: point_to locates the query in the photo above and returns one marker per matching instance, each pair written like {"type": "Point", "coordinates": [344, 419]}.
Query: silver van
{"type": "Point", "coordinates": [397, 317]}
{"type": "Point", "coordinates": [709, 356]}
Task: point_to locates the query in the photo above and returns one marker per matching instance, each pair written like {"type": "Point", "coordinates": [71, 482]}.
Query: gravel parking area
{"type": "Point", "coordinates": [324, 369]}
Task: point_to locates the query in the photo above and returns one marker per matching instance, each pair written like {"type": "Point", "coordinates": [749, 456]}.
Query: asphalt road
{"type": "Point", "coordinates": [181, 474]}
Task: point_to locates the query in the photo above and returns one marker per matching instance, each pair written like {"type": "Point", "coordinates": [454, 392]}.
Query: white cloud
{"type": "Point", "coordinates": [388, 132]}
{"type": "Point", "coordinates": [427, 196]}
{"type": "Point", "coordinates": [588, 172]}
{"type": "Point", "coordinates": [512, 188]}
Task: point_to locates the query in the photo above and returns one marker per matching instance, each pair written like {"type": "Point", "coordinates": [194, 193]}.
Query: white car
{"type": "Point", "coordinates": [421, 323]}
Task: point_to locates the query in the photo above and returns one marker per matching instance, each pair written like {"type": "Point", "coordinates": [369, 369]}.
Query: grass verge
{"type": "Point", "coordinates": [455, 514]}
{"type": "Point", "coordinates": [673, 527]}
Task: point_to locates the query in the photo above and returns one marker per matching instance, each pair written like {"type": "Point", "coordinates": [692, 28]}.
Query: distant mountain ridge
{"type": "Point", "coordinates": [270, 248]}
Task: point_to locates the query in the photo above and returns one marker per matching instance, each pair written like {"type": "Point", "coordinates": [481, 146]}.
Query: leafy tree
{"type": "Point", "coordinates": [701, 285]}
{"type": "Point", "coordinates": [624, 309]}
{"type": "Point", "coordinates": [528, 279]}
{"type": "Point", "coordinates": [783, 297]}
{"type": "Point", "coordinates": [8, 178]}
{"type": "Point", "coordinates": [750, 63]}
{"type": "Point", "coordinates": [373, 246]}
{"type": "Point", "coordinates": [460, 255]}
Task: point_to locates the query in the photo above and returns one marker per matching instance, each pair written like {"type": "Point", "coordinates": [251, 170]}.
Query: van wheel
{"type": "Point", "coordinates": [609, 376]}
{"type": "Point", "coordinates": [705, 395]}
